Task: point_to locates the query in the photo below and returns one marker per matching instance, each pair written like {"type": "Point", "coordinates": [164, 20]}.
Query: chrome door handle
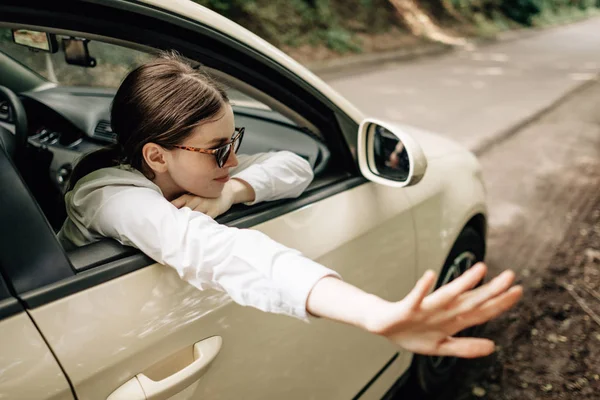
{"type": "Point", "coordinates": [140, 387]}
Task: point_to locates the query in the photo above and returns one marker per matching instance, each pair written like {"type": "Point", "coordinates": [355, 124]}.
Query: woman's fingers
{"type": "Point", "coordinates": [496, 286]}
{"type": "Point", "coordinates": [444, 295]}
{"type": "Point", "coordinates": [422, 287]}
{"type": "Point", "coordinates": [488, 310]}
{"type": "Point", "coordinates": [194, 203]}
{"type": "Point", "coordinates": [181, 200]}
{"type": "Point", "coordinates": [474, 298]}
{"type": "Point", "coordinates": [212, 212]}
{"type": "Point", "coordinates": [197, 204]}
{"type": "Point", "coordinates": [465, 347]}
{"type": "Point", "coordinates": [188, 200]}
{"type": "Point", "coordinates": [430, 320]}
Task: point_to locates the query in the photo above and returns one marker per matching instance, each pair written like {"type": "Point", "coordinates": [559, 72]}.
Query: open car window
{"type": "Point", "coordinates": [113, 62]}
{"type": "Point", "coordinates": [68, 121]}
{"type": "Point", "coordinates": [71, 118]}
{"type": "Point", "coordinates": [273, 120]}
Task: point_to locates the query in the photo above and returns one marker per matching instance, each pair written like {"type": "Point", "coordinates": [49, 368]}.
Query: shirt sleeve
{"type": "Point", "coordinates": [275, 175]}
{"type": "Point", "coordinates": [252, 268]}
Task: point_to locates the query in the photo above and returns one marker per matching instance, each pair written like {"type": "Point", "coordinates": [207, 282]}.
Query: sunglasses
{"type": "Point", "coordinates": [221, 153]}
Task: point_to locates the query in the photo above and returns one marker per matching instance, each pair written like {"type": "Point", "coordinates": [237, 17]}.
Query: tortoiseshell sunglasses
{"type": "Point", "coordinates": [221, 153]}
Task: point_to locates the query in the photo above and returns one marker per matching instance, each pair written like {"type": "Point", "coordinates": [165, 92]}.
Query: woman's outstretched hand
{"type": "Point", "coordinates": [423, 323]}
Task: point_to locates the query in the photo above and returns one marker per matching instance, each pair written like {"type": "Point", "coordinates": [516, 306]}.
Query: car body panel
{"type": "Point", "coordinates": [389, 376]}
{"type": "Point", "coordinates": [378, 238]}
{"type": "Point", "coordinates": [108, 334]}
{"type": "Point", "coordinates": [432, 144]}
{"type": "Point", "coordinates": [28, 370]}
{"type": "Point", "coordinates": [448, 197]}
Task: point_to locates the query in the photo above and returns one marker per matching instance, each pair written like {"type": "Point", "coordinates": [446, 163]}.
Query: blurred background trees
{"type": "Point", "coordinates": [316, 30]}
{"type": "Point", "coordinates": [336, 23]}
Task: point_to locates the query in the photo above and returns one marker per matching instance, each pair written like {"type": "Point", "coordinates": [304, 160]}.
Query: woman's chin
{"type": "Point", "coordinates": [212, 192]}
{"type": "Point", "coordinates": [215, 191]}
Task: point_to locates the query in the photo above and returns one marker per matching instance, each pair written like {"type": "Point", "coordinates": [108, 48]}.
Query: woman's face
{"type": "Point", "coordinates": [198, 173]}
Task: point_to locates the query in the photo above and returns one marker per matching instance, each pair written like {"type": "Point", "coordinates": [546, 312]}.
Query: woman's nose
{"type": "Point", "coordinates": [232, 161]}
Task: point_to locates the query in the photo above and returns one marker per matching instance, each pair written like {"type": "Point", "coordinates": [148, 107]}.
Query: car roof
{"type": "Point", "coordinates": [196, 12]}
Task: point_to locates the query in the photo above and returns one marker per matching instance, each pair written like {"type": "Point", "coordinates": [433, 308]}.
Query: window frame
{"type": "Point", "coordinates": [9, 305]}
{"type": "Point", "coordinates": [159, 29]}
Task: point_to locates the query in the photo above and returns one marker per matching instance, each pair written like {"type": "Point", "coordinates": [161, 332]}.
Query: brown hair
{"type": "Point", "coordinates": [161, 102]}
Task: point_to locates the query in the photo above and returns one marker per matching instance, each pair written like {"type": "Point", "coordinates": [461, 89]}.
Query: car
{"type": "Point", "coordinates": [104, 321]}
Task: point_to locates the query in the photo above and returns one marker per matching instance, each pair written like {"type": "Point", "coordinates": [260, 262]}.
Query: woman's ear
{"type": "Point", "coordinates": [155, 157]}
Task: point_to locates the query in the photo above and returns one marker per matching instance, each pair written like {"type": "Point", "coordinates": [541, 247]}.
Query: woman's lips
{"type": "Point", "coordinates": [223, 179]}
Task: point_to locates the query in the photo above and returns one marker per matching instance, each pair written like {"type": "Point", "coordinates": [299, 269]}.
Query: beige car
{"type": "Point", "coordinates": [106, 322]}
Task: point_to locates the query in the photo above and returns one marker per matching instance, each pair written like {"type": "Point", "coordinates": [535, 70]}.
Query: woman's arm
{"type": "Point", "coordinates": [251, 267]}
{"type": "Point", "coordinates": [273, 176]}
{"type": "Point", "coordinates": [259, 177]}
{"type": "Point", "coordinates": [234, 192]}
{"type": "Point", "coordinates": [422, 323]}
{"type": "Point", "coordinates": [259, 272]}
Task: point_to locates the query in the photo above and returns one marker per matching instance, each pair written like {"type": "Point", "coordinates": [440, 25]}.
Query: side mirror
{"type": "Point", "coordinates": [388, 155]}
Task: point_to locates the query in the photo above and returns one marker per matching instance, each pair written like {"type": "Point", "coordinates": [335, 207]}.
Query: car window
{"type": "Point", "coordinates": [113, 62]}
{"type": "Point", "coordinates": [9, 306]}
{"type": "Point", "coordinates": [279, 110]}
{"type": "Point", "coordinates": [4, 293]}
{"type": "Point", "coordinates": [72, 118]}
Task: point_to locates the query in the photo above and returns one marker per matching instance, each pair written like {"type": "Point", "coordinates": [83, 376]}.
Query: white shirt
{"type": "Point", "coordinates": [121, 203]}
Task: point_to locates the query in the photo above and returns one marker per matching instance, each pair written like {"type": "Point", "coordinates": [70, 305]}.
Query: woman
{"type": "Point", "coordinates": [175, 169]}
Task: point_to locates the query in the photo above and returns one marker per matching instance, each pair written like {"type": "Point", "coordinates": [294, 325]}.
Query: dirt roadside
{"type": "Point", "coordinates": [544, 199]}
{"type": "Point", "coordinates": [543, 188]}
{"type": "Point", "coordinates": [549, 347]}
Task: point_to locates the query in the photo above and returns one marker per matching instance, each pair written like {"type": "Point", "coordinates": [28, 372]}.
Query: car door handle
{"type": "Point", "coordinates": [140, 387]}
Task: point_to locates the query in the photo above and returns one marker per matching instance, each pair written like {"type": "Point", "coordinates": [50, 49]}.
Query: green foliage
{"type": "Point", "coordinates": [526, 12]}
{"type": "Point", "coordinates": [5, 35]}
{"type": "Point", "coordinates": [521, 11]}
{"type": "Point", "coordinates": [335, 23]}
{"type": "Point", "coordinates": [332, 23]}
{"type": "Point", "coordinates": [340, 40]}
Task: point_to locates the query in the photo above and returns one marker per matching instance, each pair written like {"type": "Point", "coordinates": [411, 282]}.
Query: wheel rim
{"type": "Point", "coordinates": [460, 264]}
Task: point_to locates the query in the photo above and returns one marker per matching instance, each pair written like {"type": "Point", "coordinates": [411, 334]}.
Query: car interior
{"type": "Point", "coordinates": [67, 121]}
{"type": "Point", "coordinates": [64, 111]}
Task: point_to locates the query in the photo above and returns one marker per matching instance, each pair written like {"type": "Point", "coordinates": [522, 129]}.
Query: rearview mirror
{"type": "Point", "coordinates": [388, 155]}
{"type": "Point", "coordinates": [77, 53]}
{"type": "Point", "coordinates": [35, 40]}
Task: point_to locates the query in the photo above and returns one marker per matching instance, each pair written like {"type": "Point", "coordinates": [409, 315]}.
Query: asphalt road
{"type": "Point", "coordinates": [475, 95]}
{"type": "Point", "coordinates": [531, 176]}
{"type": "Point", "coordinates": [541, 183]}
{"type": "Point", "coordinates": [539, 179]}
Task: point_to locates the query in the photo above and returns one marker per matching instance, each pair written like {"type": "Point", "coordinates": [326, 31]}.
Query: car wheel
{"type": "Point", "coordinates": [433, 373]}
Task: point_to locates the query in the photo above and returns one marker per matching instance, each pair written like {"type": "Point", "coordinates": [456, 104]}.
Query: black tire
{"type": "Point", "coordinates": [433, 373]}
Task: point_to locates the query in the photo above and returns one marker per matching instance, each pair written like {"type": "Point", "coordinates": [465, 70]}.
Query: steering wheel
{"type": "Point", "coordinates": [13, 143]}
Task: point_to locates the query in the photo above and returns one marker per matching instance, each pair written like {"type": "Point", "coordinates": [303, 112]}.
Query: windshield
{"type": "Point", "coordinates": [113, 62]}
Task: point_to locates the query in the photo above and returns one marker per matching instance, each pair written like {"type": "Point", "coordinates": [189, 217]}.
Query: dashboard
{"type": "Point", "coordinates": [73, 121]}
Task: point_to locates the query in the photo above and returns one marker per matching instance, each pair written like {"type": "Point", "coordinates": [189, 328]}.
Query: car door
{"type": "Point", "coordinates": [123, 326]}
{"type": "Point", "coordinates": [148, 320]}
{"type": "Point", "coordinates": [28, 369]}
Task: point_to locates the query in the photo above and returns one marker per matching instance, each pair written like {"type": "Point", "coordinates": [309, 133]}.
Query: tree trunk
{"type": "Point", "coordinates": [420, 24]}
